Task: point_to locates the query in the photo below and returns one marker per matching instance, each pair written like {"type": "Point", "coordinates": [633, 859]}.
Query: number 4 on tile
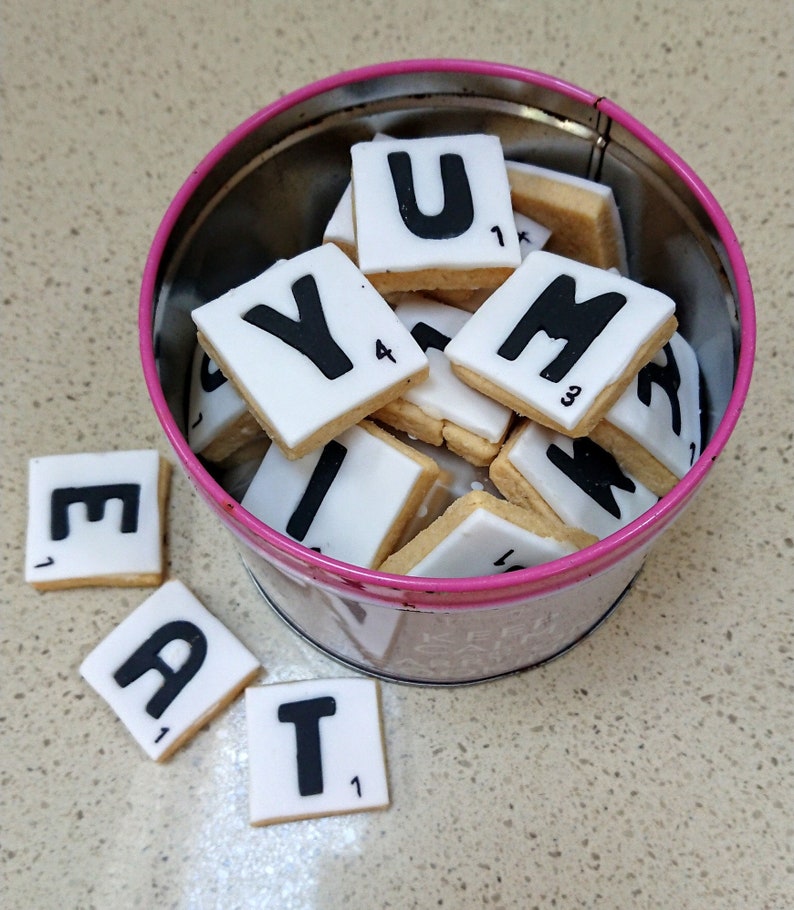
{"type": "Point", "coordinates": [315, 748]}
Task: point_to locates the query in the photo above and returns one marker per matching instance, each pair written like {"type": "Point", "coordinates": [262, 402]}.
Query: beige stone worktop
{"type": "Point", "coordinates": [649, 768]}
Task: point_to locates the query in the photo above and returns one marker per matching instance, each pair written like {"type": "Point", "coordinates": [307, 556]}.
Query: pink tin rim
{"type": "Point", "coordinates": [550, 576]}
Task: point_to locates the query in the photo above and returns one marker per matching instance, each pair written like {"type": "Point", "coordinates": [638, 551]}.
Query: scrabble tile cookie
{"type": "Point", "coordinates": [168, 668]}
{"type": "Point", "coordinates": [433, 212]}
{"type": "Point", "coordinates": [311, 347]}
{"type": "Point", "coordinates": [482, 535]}
{"type": "Point", "coordinates": [351, 500]}
{"type": "Point", "coordinates": [315, 748]}
{"type": "Point", "coordinates": [443, 409]}
{"type": "Point", "coordinates": [96, 519]}
{"type": "Point", "coordinates": [560, 341]}
{"type": "Point", "coordinates": [654, 428]}
{"type": "Point", "coordinates": [220, 426]}
{"type": "Point", "coordinates": [573, 480]}
{"type": "Point", "coordinates": [581, 214]}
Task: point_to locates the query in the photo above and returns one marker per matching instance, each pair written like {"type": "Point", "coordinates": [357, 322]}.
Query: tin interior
{"type": "Point", "coordinates": [267, 192]}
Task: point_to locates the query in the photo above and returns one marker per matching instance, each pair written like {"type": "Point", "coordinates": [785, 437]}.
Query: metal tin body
{"type": "Point", "coordinates": [266, 192]}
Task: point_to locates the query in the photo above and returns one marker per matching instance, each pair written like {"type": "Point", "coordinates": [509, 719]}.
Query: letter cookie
{"type": "Point", "coordinates": [654, 428]}
{"type": "Point", "coordinates": [574, 480]}
{"type": "Point", "coordinates": [350, 500]}
{"type": "Point", "coordinates": [433, 213]}
{"type": "Point", "coordinates": [220, 425]}
{"type": "Point", "coordinates": [581, 214]}
{"type": "Point", "coordinates": [311, 347]}
{"type": "Point", "coordinates": [482, 535]}
{"type": "Point", "coordinates": [315, 748]}
{"type": "Point", "coordinates": [96, 519]}
{"type": "Point", "coordinates": [443, 408]}
{"type": "Point", "coordinates": [560, 341]}
{"type": "Point", "coordinates": [168, 668]}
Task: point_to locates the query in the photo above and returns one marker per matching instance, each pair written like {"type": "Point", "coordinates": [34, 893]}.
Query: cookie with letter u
{"type": "Point", "coordinates": [560, 341]}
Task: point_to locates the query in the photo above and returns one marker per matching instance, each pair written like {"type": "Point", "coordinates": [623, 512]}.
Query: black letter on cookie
{"type": "Point", "coordinates": [668, 379]}
{"type": "Point", "coordinates": [95, 499]}
{"type": "Point", "coordinates": [309, 333]}
{"type": "Point", "coordinates": [323, 476]}
{"type": "Point", "coordinates": [557, 313]}
{"type": "Point", "coordinates": [457, 215]}
{"type": "Point", "coordinates": [306, 717]}
{"type": "Point", "coordinates": [147, 657]}
{"type": "Point", "coordinates": [428, 337]}
{"type": "Point", "coordinates": [210, 381]}
{"type": "Point", "coordinates": [593, 470]}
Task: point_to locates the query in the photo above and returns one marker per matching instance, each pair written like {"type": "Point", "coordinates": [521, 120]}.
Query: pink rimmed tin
{"type": "Point", "coordinates": [265, 192]}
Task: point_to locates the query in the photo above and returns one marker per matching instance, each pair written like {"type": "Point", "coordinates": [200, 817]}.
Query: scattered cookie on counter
{"type": "Point", "coordinates": [433, 212]}
{"type": "Point", "coordinates": [581, 214]}
{"type": "Point", "coordinates": [311, 347]}
{"type": "Point", "coordinates": [315, 748]}
{"type": "Point", "coordinates": [482, 535]}
{"type": "Point", "coordinates": [560, 341]}
{"type": "Point", "coordinates": [351, 500]}
{"type": "Point", "coordinates": [168, 668]}
{"type": "Point", "coordinates": [96, 519]}
{"type": "Point", "coordinates": [574, 480]}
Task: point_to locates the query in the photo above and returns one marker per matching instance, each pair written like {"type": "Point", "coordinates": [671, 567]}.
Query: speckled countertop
{"type": "Point", "coordinates": [651, 766]}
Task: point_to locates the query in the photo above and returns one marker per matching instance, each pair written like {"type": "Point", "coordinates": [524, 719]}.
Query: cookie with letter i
{"type": "Point", "coordinates": [315, 748]}
{"type": "Point", "coordinates": [573, 480]}
{"type": "Point", "coordinates": [654, 427]}
{"type": "Point", "coordinates": [581, 214]}
{"type": "Point", "coordinates": [350, 500]}
{"type": "Point", "coordinates": [220, 427]}
{"type": "Point", "coordinates": [433, 212]}
{"type": "Point", "coordinates": [443, 409]}
{"type": "Point", "coordinates": [311, 346]}
{"type": "Point", "coordinates": [168, 668]}
{"type": "Point", "coordinates": [96, 519]}
{"type": "Point", "coordinates": [480, 534]}
{"type": "Point", "coordinates": [560, 341]}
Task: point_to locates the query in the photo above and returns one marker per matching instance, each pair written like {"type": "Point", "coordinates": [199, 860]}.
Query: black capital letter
{"type": "Point", "coordinates": [593, 470]}
{"type": "Point", "coordinates": [210, 381]}
{"type": "Point", "coordinates": [457, 214]}
{"type": "Point", "coordinates": [323, 476]}
{"type": "Point", "coordinates": [95, 499]}
{"type": "Point", "coordinates": [306, 717]}
{"type": "Point", "coordinates": [668, 379]}
{"type": "Point", "coordinates": [147, 657]}
{"type": "Point", "coordinates": [309, 334]}
{"type": "Point", "coordinates": [557, 313]}
{"type": "Point", "coordinates": [428, 337]}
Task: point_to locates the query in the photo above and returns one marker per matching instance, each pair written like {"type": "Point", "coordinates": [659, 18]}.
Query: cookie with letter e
{"type": "Point", "coordinates": [433, 212]}
{"type": "Point", "coordinates": [315, 748]}
{"type": "Point", "coordinates": [96, 519]}
{"type": "Point", "coordinates": [581, 214]}
{"type": "Point", "coordinates": [572, 480]}
{"type": "Point", "coordinates": [350, 500]}
{"type": "Point", "coordinates": [480, 534]}
{"type": "Point", "coordinates": [560, 341]}
{"type": "Point", "coordinates": [220, 427]}
{"type": "Point", "coordinates": [168, 668]}
{"type": "Point", "coordinates": [311, 346]}
{"type": "Point", "coordinates": [443, 409]}
{"type": "Point", "coordinates": [654, 427]}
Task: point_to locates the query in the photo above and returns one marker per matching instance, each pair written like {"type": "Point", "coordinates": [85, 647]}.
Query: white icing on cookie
{"type": "Point", "coordinates": [343, 500]}
{"type": "Point", "coordinates": [214, 404]}
{"type": "Point", "coordinates": [487, 544]}
{"type": "Point", "coordinates": [94, 516]}
{"type": "Point", "coordinates": [531, 234]}
{"type": "Point", "coordinates": [660, 410]}
{"type": "Point", "coordinates": [581, 482]}
{"type": "Point", "coordinates": [434, 202]}
{"type": "Point", "coordinates": [442, 395]}
{"type": "Point", "coordinates": [360, 353]}
{"type": "Point", "coordinates": [531, 337]}
{"type": "Point", "coordinates": [315, 748]}
{"type": "Point", "coordinates": [168, 668]}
